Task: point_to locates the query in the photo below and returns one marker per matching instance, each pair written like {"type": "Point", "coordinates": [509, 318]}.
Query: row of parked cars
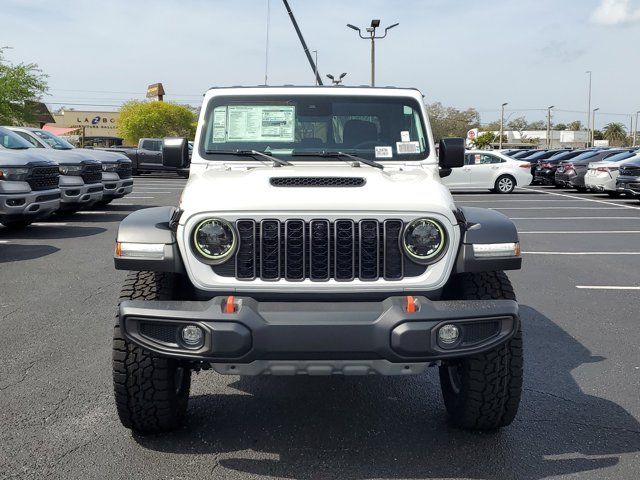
{"type": "Point", "coordinates": [613, 171]}
{"type": "Point", "coordinates": [41, 174]}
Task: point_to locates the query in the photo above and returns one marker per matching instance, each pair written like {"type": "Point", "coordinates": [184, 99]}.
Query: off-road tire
{"type": "Point", "coordinates": [482, 391]}
{"type": "Point", "coordinates": [501, 184]}
{"type": "Point", "coordinates": [151, 392]}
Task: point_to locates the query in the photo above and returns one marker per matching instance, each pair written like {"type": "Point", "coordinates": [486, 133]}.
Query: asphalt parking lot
{"type": "Point", "coordinates": [579, 417]}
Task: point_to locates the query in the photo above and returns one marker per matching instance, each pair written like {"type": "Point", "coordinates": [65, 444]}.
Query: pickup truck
{"type": "Point", "coordinates": [147, 157]}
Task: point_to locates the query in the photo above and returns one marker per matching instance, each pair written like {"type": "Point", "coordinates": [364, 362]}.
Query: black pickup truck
{"type": "Point", "coordinates": [147, 157]}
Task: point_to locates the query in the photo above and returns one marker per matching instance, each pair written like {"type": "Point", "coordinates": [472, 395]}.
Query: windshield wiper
{"type": "Point", "coordinates": [251, 153]}
{"type": "Point", "coordinates": [341, 155]}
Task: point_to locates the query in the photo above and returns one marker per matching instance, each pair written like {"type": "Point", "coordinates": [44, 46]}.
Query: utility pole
{"type": "Point", "coordinates": [549, 126]}
{"type": "Point", "coordinates": [372, 36]}
{"type": "Point", "coordinates": [593, 126]}
{"type": "Point", "coordinates": [635, 132]}
{"type": "Point", "coordinates": [589, 106]}
{"type": "Point", "coordinates": [502, 124]}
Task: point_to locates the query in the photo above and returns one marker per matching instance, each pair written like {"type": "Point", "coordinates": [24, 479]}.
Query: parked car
{"type": "Point", "coordinates": [571, 173]}
{"type": "Point", "coordinates": [116, 167]}
{"type": "Point", "coordinates": [365, 266]}
{"type": "Point", "coordinates": [147, 157]}
{"type": "Point", "coordinates": [522, 154]}
{"type": "Point", "coordinates": [489, 169]}
{"type": "Point", "coordinates": [28, 186]}
{"type": "Point", "coordinates": [628, 180]}
{"type": "Point", "coordinates": [601, 176]}
{"type": "Point", "coordinates": [541, 155]}
{"type": "Point", "coordinates": [80, 175]}
{"type": "Point", "coordinates": [546, 169]}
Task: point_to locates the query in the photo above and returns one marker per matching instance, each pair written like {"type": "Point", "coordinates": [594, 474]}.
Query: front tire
{"type": "Point", "coordinates": [151, 392]}
{"type": "Point", "coordinates": [482, 391]}
{"type": "Point", "coordinates": [504, 184]}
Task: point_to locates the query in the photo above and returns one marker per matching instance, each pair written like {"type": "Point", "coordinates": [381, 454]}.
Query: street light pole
{"type": "Point", "coordinates": [549, 126]}
{"type": "Point", "coordinates": [589, 106]}
{"type": "Point", "coordinates": [372, 36]}
{"type": "Point", "coordinates": [593, 126]}
{"type": "Point", "coordinates": [635, 132]}
{"type": "Point", "coordinates": [502, 123]}
{"type": "Point", "coordinates": [315, 73]}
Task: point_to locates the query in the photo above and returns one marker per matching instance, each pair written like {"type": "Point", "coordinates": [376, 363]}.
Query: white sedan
{"type": "Point", "coordinates": [489, 169]}
{"type": "Point", "coordinates": [601, 176]}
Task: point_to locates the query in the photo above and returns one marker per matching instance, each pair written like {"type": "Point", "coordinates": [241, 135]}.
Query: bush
{"type": "Point", "coordinates": [155, 120]}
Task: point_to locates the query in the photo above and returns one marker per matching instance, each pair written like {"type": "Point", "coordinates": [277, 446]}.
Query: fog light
{"type": "Point", "coordinates": [192, 336]}
{"type": "Point", "coordinates": [448, 334]}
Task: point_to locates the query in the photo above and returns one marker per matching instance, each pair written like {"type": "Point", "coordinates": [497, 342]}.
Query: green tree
{"type": "Point", "coordinates": [155, 119]}
{"type": "Point", "coordinates": [537, 125]}
{"type": "Point", "coordinates": [519, 124]}
{"type": "Point", "coordinates": [575, 125]}
{"type": "Point", "coordinates": [451, 122]}
{"type": "Point", "coordinates": [21, 86]}
{"type": "Point", "coordinates": [560, 126]}
{"type": "Point", "coordinates": [484, 140]}
{"type": "Point", "coordinates": [615, 133]}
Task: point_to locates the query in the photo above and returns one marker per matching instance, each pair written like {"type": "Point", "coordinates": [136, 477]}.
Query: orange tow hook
{"type": "Point", "coordinates": [230, 305]}
{"type": "Point", "coordinates": [412, 304]}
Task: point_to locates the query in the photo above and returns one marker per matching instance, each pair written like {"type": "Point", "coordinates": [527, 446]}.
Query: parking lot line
{"type": "Point", "coordinates": [580, 198]}
{"type": "Point", "coordinates": [49, 224]}
{"type": "Point", "coordinates": [607, 287]}
{"type": "Point", "coordinates": [137, 198]}
{"type": "Point", "coordinates": [92, 212]}
{"type": "Point", "coordinates": [582, 232]}
{"type": "Point", "coordinates": [149, 191]}
{"type": "Point", "coordinates": [4, 241]}
{"type": "Point", "coordinates": [581, 253]}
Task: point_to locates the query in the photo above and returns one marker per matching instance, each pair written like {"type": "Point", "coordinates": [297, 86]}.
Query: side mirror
{"type": "Point", "coordinates": [451, 153]}
{"type": "Point", "coordinates": [175, 152]}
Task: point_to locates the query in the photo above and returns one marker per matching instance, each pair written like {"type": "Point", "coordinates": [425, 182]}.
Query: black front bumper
{"type": "Point", "coordinates": [628, 184]}
{"type": "Point", "coordinates": [545, 176]}
{"type": "Point", "coordinates": [318, 331]}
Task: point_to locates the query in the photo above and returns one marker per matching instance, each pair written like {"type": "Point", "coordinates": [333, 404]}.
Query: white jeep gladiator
{"type": "Point", "coordinates": [314, 237]}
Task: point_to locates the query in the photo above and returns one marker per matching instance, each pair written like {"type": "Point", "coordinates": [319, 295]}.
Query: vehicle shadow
{"type": "Point", "coordinates": [46, 232]}
{"type": "Point", "coordinates": [121, 208]}
{"type": "Point", "coordinates": [17, 253]}
{"type": "Point", "coordinates": [365, 427]}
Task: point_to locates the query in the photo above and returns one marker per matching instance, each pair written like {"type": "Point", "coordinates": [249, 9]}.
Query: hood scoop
{"type": "Point", "coordinates": [317, 181]}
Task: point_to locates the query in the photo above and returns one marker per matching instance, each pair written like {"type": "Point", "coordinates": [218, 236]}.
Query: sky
{"type": "Point", "coordinates": [529, 53]}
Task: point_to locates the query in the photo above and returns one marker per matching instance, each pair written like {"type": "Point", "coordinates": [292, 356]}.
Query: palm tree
{"type": "Point", "coordinates": [614, 132]}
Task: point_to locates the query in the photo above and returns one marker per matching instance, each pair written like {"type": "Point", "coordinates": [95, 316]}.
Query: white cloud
{"type": "Point", "coordinates": [615, 12]}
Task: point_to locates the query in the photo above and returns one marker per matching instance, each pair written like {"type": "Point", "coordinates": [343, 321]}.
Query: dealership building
{"type": "Point", "coordinates": [86, 127]}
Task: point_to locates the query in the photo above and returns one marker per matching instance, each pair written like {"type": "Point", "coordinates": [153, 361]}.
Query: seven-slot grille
{"type": "Point", "coordinates": [43, 178]}
{"type": "Point", "coordinates": [124, 170]}
{"type": "Point", "coordinates": [630, 170]}
{"type": "Point", "coordinates": [91, 173]}
{"type": "Point", "coordinates": [320, 250]}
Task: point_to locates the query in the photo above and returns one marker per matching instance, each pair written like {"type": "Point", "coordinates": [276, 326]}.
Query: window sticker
{"type": "Point", "coordinates": [260, 123]}
{"type": "Point", "coordinates": [219, 124]}
{"type": "Point", "coordinates": [384, 152]}
{"type": "Point", "coordinates": [404, 148]}
{"type": "Point", "coordinates": [404, 136]}
{"type": "Point", "coordinates": [476, 159]}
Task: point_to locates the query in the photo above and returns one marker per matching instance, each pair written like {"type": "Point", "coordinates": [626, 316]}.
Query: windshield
{"type": "Point", "coordinates": [566, 155]}
{"type": "Point", "coordinates": [585, 155]}
{"type": "Point", "coordinates": [380, 128]}
{"type": "Point", "coordinates": [12, 141]}
{"type": "Point", "coordinates": [618, 157]}
{"type": "Point", "coordinates": [53, 141]}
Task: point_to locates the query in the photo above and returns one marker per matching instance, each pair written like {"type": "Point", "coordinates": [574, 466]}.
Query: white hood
{"type": "Point", "coordinates": [250, 190]}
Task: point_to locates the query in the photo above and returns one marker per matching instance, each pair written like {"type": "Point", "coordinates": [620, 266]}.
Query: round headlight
{"type": "Point", "coordinates": [424, 240]}
{"type": "Point", "coordinates": [214, 239]}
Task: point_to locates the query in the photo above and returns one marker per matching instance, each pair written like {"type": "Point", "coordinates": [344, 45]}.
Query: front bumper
{"type": "Point", "coordinates": [627, 184]}
{"type": "Point", "coordinates": [114, 186]}
{"type": "Point", "coordinates": [75, 195]}
{"type": "Point", "coordinates": [303, 337]}
{"type": "Point", "coordinates": [36, 204]}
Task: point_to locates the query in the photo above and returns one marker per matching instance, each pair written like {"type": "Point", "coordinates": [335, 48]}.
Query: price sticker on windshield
{"type": "Point", "coordinates": [384, 152]}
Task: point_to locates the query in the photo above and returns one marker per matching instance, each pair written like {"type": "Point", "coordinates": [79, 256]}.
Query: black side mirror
{"type": "Point", "coordinates": [451, 153]}
{"type": "Point", "coordinates": [175, 152]}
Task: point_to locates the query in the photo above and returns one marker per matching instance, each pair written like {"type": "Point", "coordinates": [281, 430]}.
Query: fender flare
{"type": "Point", "coordinates": [483, 226]}
{"type": "Point", "coordinates": [151, 226]}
